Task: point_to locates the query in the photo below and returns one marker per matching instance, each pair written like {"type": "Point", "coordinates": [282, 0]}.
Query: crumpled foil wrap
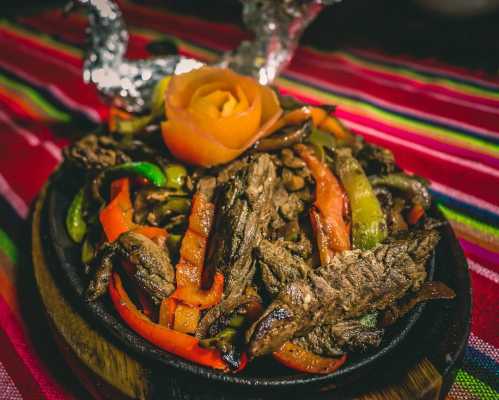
{"type": "Point", "coordinates": [127, 84]}
{"type": "Point", "coordinates": [277, 26]}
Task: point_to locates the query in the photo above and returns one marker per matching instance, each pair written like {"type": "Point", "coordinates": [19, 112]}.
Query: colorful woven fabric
{"type": "Point", "coordinates": [440, 121]}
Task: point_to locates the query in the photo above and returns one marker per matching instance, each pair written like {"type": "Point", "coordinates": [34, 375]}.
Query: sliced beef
{"type": "Point", "coordinates": [334, 340]}
{"type": "Point", "coordinates": [95, 153]}
{"type": "Point", "coordinates": [243, 207]}
{"type": "Point", "coordinates": [279, 266]}
{"type": "Point", "coordinates": [355, 283]}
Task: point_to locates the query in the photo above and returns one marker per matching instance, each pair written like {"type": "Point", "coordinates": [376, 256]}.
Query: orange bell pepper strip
{"type": "Point", "coordinates": [186, 318]}
{"type": "Point", "coordinates": [415, 214]}
{"type": "Point", "coordinates": [117, 217]}
{"type": "Point", "coordinates": [296, 357]}
{"type": "Point", "coordinates": [199, 298]}
{"type": "Point", "coordinates": [327, 216]}
{"type": "Point", "coordinates": [320, 119]}
{"type": "Point", "coordinates": [167, 312]}
{"type": "Point", "coordinates": [189, 269]}
{"type": "Point", "coordinates": [115, 114]}
{"type": "Point", "coordinates": [174, 342]}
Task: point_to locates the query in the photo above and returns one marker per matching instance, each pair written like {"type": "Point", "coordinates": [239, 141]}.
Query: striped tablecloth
{"type": "Point", "coordinates": [440, 121]}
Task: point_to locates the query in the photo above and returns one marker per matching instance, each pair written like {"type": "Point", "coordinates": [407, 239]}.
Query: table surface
{"type": "Point", "coordinates": [440, 120]}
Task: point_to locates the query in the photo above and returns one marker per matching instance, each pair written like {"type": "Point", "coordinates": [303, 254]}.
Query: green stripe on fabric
{"type": "Point", "coordinates": [33, 96]}
{"type": "Point", "coordinates": [475, 386]}
{"type": "Point", "coordinates": [468, 221]}
{"type": "Point", "coordinates": [421, 128]}
{"type": "Point", "coordinates": [8, 247]}
{"type": "Point", "coordinates": [409, 73]}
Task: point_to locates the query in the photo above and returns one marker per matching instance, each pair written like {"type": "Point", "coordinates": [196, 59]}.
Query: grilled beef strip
{"type": "Point", "coordinates": [242, 213]}
{"type": "Point", "coordinates": [154, 271]}
{"type": "Point", "coordinates": [335, 340]}
{"type": "Point", "coordinates": [355, 283]}
{"type": "Point", "coordinates": [279, 267]}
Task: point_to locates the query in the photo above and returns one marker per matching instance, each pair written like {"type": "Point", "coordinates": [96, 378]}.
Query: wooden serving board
{"type": "Point", "coordinates": [108, 372]}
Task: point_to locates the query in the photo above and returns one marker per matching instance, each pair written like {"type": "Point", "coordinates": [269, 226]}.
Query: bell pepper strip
{"type": "Point", "coordinates": [117, 217]}
{"type": "Point", "coordinates": [296, 357]}
{"type": "Point", "coordinates": [190, 296]}
{"type": "Point", "coordinates": [186, 318]}
{"type": "Point", "coordinates": [415, 214]}
{"type": "Point", "coordinates": [116, 116]}
{"type": "Point", "coordinates": [368, 221]}
{"type": "Point", "coordinates": [144, 169]}
{"type": "Point", "coordinates": [174, 342]}
{"type": "Point", "coordinates": [152, 232]}
{"type": "Point", "coordinates": [320, 119]}
{"type": "Point", "coordinates": [287, 138]}
{"type": "Point", "coordinates": [328, 213]}
{"type": "Point", "coordinates": [167, 312]}
{"type": "Point", "coordinates": [189, 270]}
{"type": "Point", "coordinates": [199, 298]}
{"type": "Point", "coordinates": [75, 223]}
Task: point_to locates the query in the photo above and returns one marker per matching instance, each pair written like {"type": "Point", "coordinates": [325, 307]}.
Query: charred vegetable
{"type": "Point", "coordinates": [408, 185]}
{"type": "Point", "coordinates": [368, 222]}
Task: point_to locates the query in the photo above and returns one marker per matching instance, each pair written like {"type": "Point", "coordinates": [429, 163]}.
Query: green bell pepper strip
{"type": "Point", "coordinates": [144, 169]}
{"type": "Point", "coordinates": [75, 223]}
{"type": "Point", "coordinates": [368, 221]}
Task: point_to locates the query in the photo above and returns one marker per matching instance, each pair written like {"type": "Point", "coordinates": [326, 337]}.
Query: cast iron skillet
{"type": "Point", "coordinates": [260, 374]}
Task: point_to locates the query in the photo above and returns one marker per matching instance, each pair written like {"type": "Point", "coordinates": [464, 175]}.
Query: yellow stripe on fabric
{"type": "Point", "coordinates": [410, 73]}
{"type": "Point", "coordinates": [419, 128]}
{"type": "Point", "coordinates": [34, 100]}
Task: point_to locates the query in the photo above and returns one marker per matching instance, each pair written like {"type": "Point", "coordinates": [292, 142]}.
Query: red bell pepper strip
{"type": "Point", "coordinates": [415, 214]}
{"type": "Point", "coordinates": [177, 343]}
{"type": "Point", "coordinates": [192, 253]}
{"type": "Point", "coordinates": [140, 294]}
{"type": "Point", "coordinates": [327, 216]}
{"type": "Point", "coordinates": [117, 217]}
{"type": "Point", "coordinates": [296, 357]}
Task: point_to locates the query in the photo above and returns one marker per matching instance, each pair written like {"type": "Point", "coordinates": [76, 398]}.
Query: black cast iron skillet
{"type": "Point", "coordinates": [262, 374]}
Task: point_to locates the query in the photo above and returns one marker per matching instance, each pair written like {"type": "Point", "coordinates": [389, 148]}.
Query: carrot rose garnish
{"type": "Point", "coordinates": [215, 114]}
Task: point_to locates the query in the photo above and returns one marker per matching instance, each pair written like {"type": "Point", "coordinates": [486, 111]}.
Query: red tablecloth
{"type": "Point", "coordinates": [440, 121]}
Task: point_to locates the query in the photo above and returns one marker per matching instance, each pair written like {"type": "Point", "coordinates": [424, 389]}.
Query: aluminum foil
{"type": "Point", "coordinates": [277, 26]}
{"type": "Point", "coordinates": [125, 83]}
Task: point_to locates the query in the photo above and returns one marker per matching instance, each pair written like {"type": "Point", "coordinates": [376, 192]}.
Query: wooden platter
{"type": "Point", "coordinates": [423, 367]}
